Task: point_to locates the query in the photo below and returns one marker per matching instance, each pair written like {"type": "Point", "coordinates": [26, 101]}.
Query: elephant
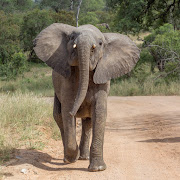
{"type": "Point", "coordinates": [84, 60]}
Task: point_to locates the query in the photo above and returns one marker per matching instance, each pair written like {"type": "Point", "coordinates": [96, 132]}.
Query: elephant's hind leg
{"type": "Point", "coordinates": [85, 137]}
{"type": "Point", "coordinates": [58, 116]}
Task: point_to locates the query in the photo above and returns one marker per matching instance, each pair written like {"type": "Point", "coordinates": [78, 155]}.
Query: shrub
{"type": "Point", "coordinates": [88, 18]}
{"type": "Point", "coordinates": [12, 60]}
{"type": "Point", "coordinates": [164, 46]}
{"type": "Point", "coordinates": [33, 23]}
{"type": "Point", "coordinates": [16, 64]}
{"type": "Point", "coordinates": [66, 17]}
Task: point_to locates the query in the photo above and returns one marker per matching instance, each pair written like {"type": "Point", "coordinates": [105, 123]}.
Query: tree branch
{"type": "Point", "coordinates": [170, 72]}
{"type": "Point", "coordinates": [149, 4]}
{"type": "Point", "coordinates": [72, 4]}
{"type": "Point", "coordinates": [167, 10]}
{"type": "Point", "coordinates": [78, 10]}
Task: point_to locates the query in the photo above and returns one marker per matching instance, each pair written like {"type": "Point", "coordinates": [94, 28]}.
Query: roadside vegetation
{"type": "Point", "coordinates": [26, 121]}
{"type": "Point", "coordinates": [37, 79]}
{"type": "Point", "coordinates": [24, 80]}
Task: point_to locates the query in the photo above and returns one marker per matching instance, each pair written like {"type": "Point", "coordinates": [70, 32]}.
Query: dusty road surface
{"type": "Point", "coordinates": [142, 142]}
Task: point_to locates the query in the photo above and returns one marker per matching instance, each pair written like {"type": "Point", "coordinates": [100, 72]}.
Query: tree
{"type": "Point", "coordinates": [33, 23]}
{"type": "Point", "coordinates": [9, 39]}
{"type": "Point", "coordinates": [10, 6]}
{"type": "Point", "coordinates": [163, 44]}
{"type": "Point", "coordinates": [12, 59]}
{"type": "Point", "coordinates": [133, 16]}
{"type": "Point", "coordinates": [56, 5]}
{"type": "Point", "coordinates": [87, 5]}
{"type": "Point", "coordinates": [92, 5]}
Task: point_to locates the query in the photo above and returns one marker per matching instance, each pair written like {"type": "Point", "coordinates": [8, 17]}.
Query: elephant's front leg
{"type": "Point", "coordinates": [99, 111]}
{"type": "Point", "coordinates": [71, 150]}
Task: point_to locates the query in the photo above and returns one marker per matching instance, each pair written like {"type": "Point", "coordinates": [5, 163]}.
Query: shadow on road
{"type": "Point", "coordinates": [40, 160]}
{"type": "Point", "coordinates": [164, 140]}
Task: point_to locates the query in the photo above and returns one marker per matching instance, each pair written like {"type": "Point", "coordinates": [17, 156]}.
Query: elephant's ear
{"type": "Point", "coordinates": [51, 47]}
{"type": "Point", "coordinates": [120, 56]}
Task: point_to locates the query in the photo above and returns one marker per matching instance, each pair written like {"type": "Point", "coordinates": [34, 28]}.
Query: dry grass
{"type": "Point", "coordinates": [131, 87]}
{"type": "Point", "coordinates": [138, 39]}
{"type": "Point", "coordinates": [38, 80]}
{"type": "Point", "coordinates": [25, 120]}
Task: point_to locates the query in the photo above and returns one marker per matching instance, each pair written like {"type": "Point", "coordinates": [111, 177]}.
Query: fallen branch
{"type": "Point", "coordinates": [170, 72]}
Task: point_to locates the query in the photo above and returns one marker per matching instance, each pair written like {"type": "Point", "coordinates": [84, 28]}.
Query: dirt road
{"type": "Point", "coordinates": [142, 142]}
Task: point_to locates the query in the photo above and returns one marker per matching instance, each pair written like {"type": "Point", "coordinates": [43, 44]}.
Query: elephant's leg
{"type": "Point", "coordinates": [85, 136]}
{"type": "Point", "coordinates": [71, 149]}
{"type": "Point", "coordinates": [99, 111]}
{"type": "Point", "coordinates": [58, 116]}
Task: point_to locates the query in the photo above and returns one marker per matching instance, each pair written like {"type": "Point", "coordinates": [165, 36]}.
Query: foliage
{"type": "Point", "coordinates": [37, 80]}
{"type": "Point", "coordinates": [92, 5]}
{"type": "Point", "coordinates": [164, 46]}
{"type": "Point", "coordinates": [89, 18]}
{"type": "Point", "coordinates": [12, 60]}
{"type": "Point", "coordinates": [33, 23]}
{"type": "Point", "coordinates": [134, 16]}
{"type": "Point", "coordinates": [55, 5]}
{"type": "Point", "coordinates": [11, 6]}
{"type": "Point", "coordinates": [87, 5]}
{"type": "Point", "coordinates": [144, 66]}
{"type": "Point", "coordinates": [15, 65]}
{"type": "Point", "coordinates": [66, 17]}
{"type": "Point", "coordinates": [9, 39]}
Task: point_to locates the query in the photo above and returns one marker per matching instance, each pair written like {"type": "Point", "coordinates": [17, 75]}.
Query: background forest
{"type": "Point", "coordinates": [153, 25]}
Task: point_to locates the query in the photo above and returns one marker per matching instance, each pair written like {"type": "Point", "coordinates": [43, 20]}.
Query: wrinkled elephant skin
{"type": "Point", "coordinates": [84, 60]}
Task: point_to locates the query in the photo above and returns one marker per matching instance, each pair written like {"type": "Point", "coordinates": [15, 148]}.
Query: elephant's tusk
{"type": "Point", "coordinates": [94, 46]}
{"type": "Point", "coordinates": [74, 46]}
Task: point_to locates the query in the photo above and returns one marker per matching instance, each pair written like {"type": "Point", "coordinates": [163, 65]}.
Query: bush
{"type": "Point", "coordinates": [164, 46]}
{"type": "Point", "coordinates": [66, 17]}
{"type": "Point", "coordinates": [12, 60]}
{"type": "Point", "coordinates": [9, 37]}
{"type": "Point", "coordinates": [89, 18]}
{"type": "Point", "coordinates": [33, 23]}
{"type": "Point", "coordinates": [15, 65]}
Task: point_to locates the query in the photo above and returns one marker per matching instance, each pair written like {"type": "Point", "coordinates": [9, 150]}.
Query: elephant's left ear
{"type": "Point", "coordinates": [120, 56]}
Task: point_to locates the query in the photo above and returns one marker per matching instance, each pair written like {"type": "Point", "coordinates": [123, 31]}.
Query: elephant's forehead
{"type": "Point", "coordinates": [91, 31]}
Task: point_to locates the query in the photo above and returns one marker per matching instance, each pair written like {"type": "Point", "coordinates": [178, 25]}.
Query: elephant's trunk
{"type": "Point", "coordinates": [83, 46]}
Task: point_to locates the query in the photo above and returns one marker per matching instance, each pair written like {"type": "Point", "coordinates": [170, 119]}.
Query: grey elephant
{"type": "Point", "coordinates": [84, 60]}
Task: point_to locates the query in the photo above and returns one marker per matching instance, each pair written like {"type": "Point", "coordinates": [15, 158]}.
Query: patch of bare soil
{"type": "Point", "coordinates": [142, 141]}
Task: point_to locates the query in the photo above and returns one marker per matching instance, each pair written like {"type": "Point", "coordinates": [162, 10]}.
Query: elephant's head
{"type": "Point", "coordinates": [109, 55]}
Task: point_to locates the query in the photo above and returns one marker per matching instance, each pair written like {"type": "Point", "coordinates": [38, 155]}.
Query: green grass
{"type": "Point", "coordinates": [25, 121]}
{"type": "Point", "coordinates": [131, 87]}
{"type": "Point", "coordinates": [38, 80]}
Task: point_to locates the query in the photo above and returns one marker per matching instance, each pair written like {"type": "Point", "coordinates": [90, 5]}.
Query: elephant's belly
{"type": "Point", "coordinates": [84, 111]}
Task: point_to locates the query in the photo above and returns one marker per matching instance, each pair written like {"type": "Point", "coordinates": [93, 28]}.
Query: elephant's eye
{"type": "Point", "coordinates": [100, 43]}
{"type": "Point", "coordinates": [72, 37]}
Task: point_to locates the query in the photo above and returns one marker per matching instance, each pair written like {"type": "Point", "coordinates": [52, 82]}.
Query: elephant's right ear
{"type": "Point", "coordinates": [51, 47]}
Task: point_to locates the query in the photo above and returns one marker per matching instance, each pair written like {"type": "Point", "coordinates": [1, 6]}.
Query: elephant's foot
{"type": "Point", "coordinates": [97, 164]}
{"type": "Point", "coordinates": [84, 157]}
{"type": "Point", "coordinates": [71, 159]}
